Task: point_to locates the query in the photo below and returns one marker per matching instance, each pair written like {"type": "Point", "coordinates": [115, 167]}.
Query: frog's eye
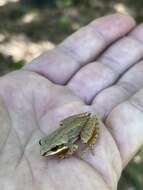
{"type": "Point", "coordinates": [40, 142]}
{"type": "Point", "coordinates": [61, 123]}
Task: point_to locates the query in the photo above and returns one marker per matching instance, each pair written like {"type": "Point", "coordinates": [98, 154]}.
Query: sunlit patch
{"type": "Point", "coordinates": [2, 37]}
{"type": "Point", "coordinates": [120, 7]}
{"type": "Point", "coordinates": [29, 17]}
{"type": "Point", "coordinates": [138, 159]}
{"type": "Point", "coordinates": [4, 2]}
{"type": "Point", "coordinates": [19, 47]}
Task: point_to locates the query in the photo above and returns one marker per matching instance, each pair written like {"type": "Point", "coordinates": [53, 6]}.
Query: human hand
{"type": "Point", "coordinates": [97, 69]}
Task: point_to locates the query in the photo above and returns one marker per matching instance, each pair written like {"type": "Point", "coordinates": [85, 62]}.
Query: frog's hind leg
{"type": "Point", "coordinates": [90, 132]}
{"type": "Point", "coordinates": [94, 137]}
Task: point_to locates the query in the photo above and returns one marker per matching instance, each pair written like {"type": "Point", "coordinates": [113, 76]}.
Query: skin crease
{"type": "Point", "coordinates": [97, 69]}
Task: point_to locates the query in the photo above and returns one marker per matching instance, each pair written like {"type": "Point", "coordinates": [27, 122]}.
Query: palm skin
{"type": "Point", "coordinates": [77, 76]}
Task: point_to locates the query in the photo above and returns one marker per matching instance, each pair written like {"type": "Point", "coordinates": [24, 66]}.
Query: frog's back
{"type": "Point", "coordinates": [72, 126]}
{"type": "Point", "coordinates": [69, 128]}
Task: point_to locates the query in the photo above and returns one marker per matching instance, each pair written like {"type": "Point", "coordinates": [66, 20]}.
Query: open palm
{"type": "Point", "coordinates": [84, 73]}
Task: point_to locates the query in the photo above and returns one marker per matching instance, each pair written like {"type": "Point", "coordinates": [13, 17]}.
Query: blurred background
{"type": "Point", "coordinates": [29, 27]}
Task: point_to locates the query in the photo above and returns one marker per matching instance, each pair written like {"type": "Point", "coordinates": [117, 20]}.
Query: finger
{"type": "Point", "coordinates": [128, 85]}
{"type": "Point", "coordinates": [126, 125]}
{"type": "Point", "coordinates": [87, 43]}
{"type": "Point", "coordinates": [107, 69]}
{"type": "Point", "coordinates": [137, 33]}
{"type": "Point", "coordinates": [83, 46]}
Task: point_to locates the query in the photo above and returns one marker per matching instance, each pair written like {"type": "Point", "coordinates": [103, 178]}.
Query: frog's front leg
{"type": "Point", "coordinates": [90, 131]}
{"type": "Point", "coordinates": [72, 149]}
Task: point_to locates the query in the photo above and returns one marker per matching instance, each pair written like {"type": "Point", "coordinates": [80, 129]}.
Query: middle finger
{"type": "Point", "coordinates": [116, 60]}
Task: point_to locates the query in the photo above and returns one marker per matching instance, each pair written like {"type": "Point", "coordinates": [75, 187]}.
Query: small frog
{"type": "Point", "coordinates": [62, 142]}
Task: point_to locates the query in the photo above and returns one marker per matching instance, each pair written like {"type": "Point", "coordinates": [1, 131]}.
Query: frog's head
{"type": "Point", "coordinates": [52, 148]}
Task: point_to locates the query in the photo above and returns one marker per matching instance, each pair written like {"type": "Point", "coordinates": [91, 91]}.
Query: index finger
{"type": "Point", "coordinates": [60, 64]}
